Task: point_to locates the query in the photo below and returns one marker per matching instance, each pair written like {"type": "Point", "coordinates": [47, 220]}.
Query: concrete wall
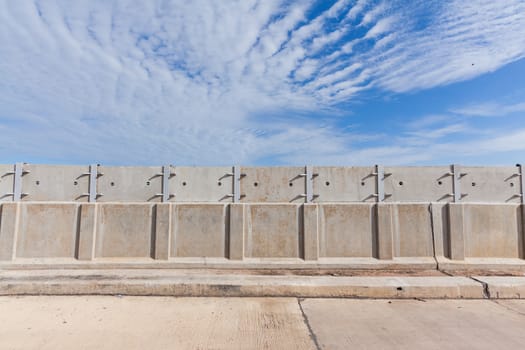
{"type": "Point", "coordinates": [457, 217]}
{"type": "Point", "coordinates": [342, 235]}
{"type": "Point", "coordinates": [263, 184]}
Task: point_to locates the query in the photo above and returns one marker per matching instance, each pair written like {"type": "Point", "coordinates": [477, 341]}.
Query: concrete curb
{"type": "Point", "coordinates": [502, 287]}
{"type": "Point", "coordinates": [204, 284]}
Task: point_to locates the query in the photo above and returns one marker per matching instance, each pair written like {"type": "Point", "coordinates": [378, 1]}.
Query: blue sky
{"type": "Point", "coordinates": [262, 82]}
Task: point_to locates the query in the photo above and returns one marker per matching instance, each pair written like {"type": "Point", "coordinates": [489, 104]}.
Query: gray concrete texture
{"type": "Point", "coordinates": [263, 184]}
{"type": "Point", "coordinates": [104, 322]}
{"type": "Point", "coordinates": [331, 235]}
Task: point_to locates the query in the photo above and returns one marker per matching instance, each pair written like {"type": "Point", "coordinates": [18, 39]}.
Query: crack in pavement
{"type": "Point", "coordinates": [486, 291]}
{"type": "Point", "coordinates": [307, 323]}
{"type": "Point", "coordinates": [508, 307]}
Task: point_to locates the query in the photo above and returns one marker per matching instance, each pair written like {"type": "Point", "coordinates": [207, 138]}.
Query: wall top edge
{"type": "Point", "coordinates": [270, 166]}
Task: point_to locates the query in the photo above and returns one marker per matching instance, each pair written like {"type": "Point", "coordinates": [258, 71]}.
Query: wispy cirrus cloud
{"type": "Point", "coordinates": [130, 81]}
{"type": "Point", "coordinates": [490, 109]}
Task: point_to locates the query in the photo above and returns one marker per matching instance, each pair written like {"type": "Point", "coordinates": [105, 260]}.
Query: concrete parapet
{"type": "Point", "coordinates": [418, 184]}
{"type": "Point", "coordinates": [199, 230]}
{"type": "Point", "coordinates": [9, 220]}
{"type": "Point", "coordinates": [6, 182]}
{"type": "Point", "coordinates": [99, 183]}
{"type": "Point", "coordinates": [404, 234]}
{"type": "Point", "coordinates": [483, 235]}
{"type": "Point", "coordinates": [273, 231]}
{"type": "Point", "coordinates": [46, 230]}
{"type": "Point", "coordinates": [279, 184]}
{"type": "Point", "coordinates": [344, 184]}
{"type": "Point", "coordinates": [347, 231]}
{"type": "Point", "coordinates": [263, 235]}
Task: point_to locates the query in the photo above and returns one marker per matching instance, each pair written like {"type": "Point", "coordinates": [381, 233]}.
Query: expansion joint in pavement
{"type": "Point", "coordinates": [307, 323]}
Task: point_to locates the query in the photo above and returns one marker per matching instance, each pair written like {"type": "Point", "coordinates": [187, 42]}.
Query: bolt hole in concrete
{"type": "Point", "coordinates": [147, 183]}
{"type": "Point", "coordinates": [512, 184]}
{"type": "Point", "coordinates": [184, 183]}
{"type": "Point", "coordinates": [362, 183]}
{"type": "Point", "coordinates": [112, 184]}
{"type": "Point", "coordinates": [399, 288]}
{"type": "Point", "coordinates": [219, 183]}
{"type": "Point", "coordinates": [75, 183]}
{"type": "Point", "coordinates": [440, 183]}
{"type": "Point", "coordinates": [290, 184]}
{"type": "Point", "coordinates": [327, 183]}
{"type": "Point", "coordinates": [473, 184]}
{"type": "Point", "coordinates": [256, 184]}
{"type": "Point", "coordinates": [37, 182]}
{"type": "Point", "coordinates": [401, 183]}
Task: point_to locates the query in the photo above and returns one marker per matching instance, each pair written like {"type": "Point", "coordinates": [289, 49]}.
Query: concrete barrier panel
{"type": "Point", "coordinates": [277, 184]}
{"type": "Point", "coordinates": [129, 184]}
{"type": "Point", "coordinates": [8, 226]}
{"type": "Point", "coordinates": [199, 230]}
{"type": "Point", "coordinates": [6, 182]}
{"type": "Point", "coordinates": [418, 184]}
{"type": "Point", "coordinates": [346, 230]}
{"type": "Point", "coordinates": [440, 224]}
{"type": "Point", "coordinates": [344, 184]}
{"type": "Point", "coordinates": [490, 184]}
{"type": "Point", "coordinates": [124, 231]}
{"type": "Point", "coordinates": [202, 184]}
{"type": "Point", "coordinates": [404, 230]}
{"type": "Point", "coordinates": [47, 230]}
{"type": "Point", "coordinates": [163, 226]}
{"type": "Point", "coordinates": [273, 231]}
{"type": "Point", "coordinates": [55, 183]}
{"type": "Point", "coordinates": [87, 231]}
{"type": "Point", "coordinates": [237, 229]}
{"type": "Point", "coordinates": [485, 231]}
{"type": "Point", "coordinates": [311, 231]}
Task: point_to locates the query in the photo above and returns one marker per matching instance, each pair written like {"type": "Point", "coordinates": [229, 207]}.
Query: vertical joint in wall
{"type": "Point", "coordinates": [236, 184]}
{"type": "Point", "coordinates": [521, 169]}
{"type": "Point", "coordinates": [309, 184]}
{"type": "Point", "coordinates": [93, 174]}
{"type": "Point", "coordinates": [380, 181]}
{"type": "Point", "coordinates": [166, 174]}
{"type": "Point", "coordinates": [456, 182]}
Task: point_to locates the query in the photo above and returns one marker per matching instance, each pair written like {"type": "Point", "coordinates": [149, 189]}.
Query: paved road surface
{"type": "Point", "coordinates": [93, 322]}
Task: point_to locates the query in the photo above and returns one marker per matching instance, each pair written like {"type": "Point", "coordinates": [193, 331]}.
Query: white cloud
{"type": "Point", "coordinates": [129, 81]}
{"type": "Point", "coordinates": [492, 109]}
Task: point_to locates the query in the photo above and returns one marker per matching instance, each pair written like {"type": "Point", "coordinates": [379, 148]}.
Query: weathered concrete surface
{"type": "Point", "coordinates": [295, 235]}
{"type": "Point", "coordinates": [404, 230]}
{"type": "Point", "coordinates": [418, 184]}
{"type": "Point", "coordinates": [47, 230]}
{"type": "Point", "coordinates": [55, 183]}
{"type": "Point", "coordinates": [6, 182]}
{"type": "Point", "coordinates": [344, 184]}
{"type": "Point", "coordinates": [107, 322]}
{"type": "Point", "coordinates": [346, 230]}
{"type": "Point", "coordinates": [484, 234]}
{"type": "Point", "coordinates": [264, 184]}
{"type": "Point", "coordinates": [403, 324]}
{"type": "Point", "coordinates": [124, 231]}
{"type": "Point", "coordinates": [195, 283]}
{"type": "Point", "coordinates": [151, 323]}
{"type": "Point", "coordinates": [201, 184]}
{"type": "Point", "coordinates": [199, 230]}
{"type": "Point", "coordinates": [273, 231]}
{"type": "Point", "coordinates": [129, 184]}
{"type": "Point", "coordinates": [490, 184]}
{"type": "Point", "coordinates": [8, 229]}
{"type": "Point", "coordinates": [279, 184]}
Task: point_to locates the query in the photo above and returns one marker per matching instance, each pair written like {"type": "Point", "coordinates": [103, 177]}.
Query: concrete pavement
{"type": "Point", "coordinates": [112, 322]}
